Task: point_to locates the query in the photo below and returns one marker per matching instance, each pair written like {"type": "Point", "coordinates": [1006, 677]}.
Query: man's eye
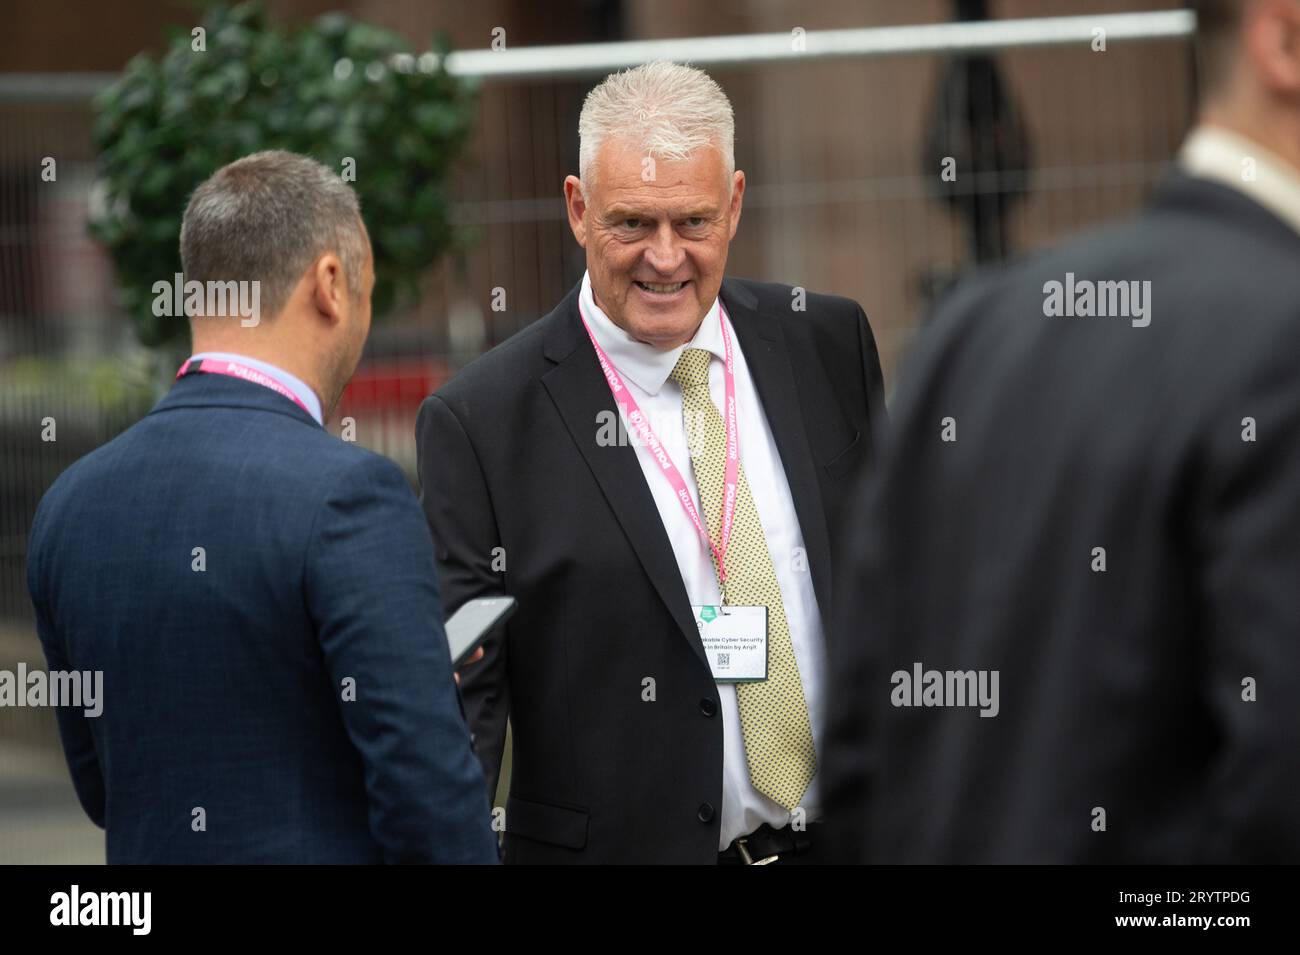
{"type": "Point", "coordinates": [631, 223]}
{"type": "Point", "coordinates": [694, 222]}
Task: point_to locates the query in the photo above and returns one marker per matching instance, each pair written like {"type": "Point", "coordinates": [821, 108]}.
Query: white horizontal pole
{"type": "Point", "coordinates": [965, 37]}
{"type": "Point", "coordinates": [585, 59]}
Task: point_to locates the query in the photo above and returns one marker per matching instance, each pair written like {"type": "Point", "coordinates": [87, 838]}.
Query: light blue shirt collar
{"type": "Point", "coordinates": [295, 384]}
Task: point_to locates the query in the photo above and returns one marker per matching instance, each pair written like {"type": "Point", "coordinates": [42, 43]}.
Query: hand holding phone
{"type": "Point", "coordinates": [473, 623]}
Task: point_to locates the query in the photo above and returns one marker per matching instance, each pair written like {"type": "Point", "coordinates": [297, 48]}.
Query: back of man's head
{"type": "Point", "coordinates": [266, 218]}
{"type": "Point", "coordinates": [1255, 43]}
{"type": "Point", "coordinates": [1248, 61]}
{"type": "Point", "coordinates": [289, 229]}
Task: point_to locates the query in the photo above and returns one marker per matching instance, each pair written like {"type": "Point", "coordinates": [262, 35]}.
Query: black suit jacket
{"type": "Point", "coordinates": [513, 478]}
{"type": "Point", "coordinates": [1120, 690]}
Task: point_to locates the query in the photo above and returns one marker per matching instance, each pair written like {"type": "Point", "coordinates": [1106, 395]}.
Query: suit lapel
{"type": "Point", "coordinates": [763, 343]}
{"type": "Point", "coordinates": [580, 391]}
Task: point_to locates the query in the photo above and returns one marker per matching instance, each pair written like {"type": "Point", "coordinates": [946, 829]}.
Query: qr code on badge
{"type": "Point", "coordinates": [724, 659]}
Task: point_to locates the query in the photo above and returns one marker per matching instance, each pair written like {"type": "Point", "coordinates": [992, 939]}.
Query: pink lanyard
{"type": "Point", "coordinates": [645, 434]}
{"type": "Point", "coordinates": [212, 366]}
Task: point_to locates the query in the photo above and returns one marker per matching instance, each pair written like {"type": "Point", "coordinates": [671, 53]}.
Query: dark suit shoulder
{"type": "Point", "coordinates": [833, 325]}
{"type": "Point", "coordinates": [504, 367]}
{"type": "Point", "coordinates": [1204, 249]}
{"type": "Point", "coordinates": [779, 300]}
{"type": "Point", "coordinates": [299, 461]}
{"type": "Point", "coordinates": [288, 440]}
{"type": "Point", "coordinates": [1219, 306]}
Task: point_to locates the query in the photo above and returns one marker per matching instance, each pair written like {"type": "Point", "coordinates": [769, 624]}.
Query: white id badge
{"type": "Point", "coordinates": [735, 642]}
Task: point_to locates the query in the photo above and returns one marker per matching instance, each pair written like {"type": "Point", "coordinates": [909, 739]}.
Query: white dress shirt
{"type": "Point", "coordinates": [645, 371]}
{"type": "Point", "coordinates": [1212, 152]}
{"type": "Point", "coordinates": [295, 384]}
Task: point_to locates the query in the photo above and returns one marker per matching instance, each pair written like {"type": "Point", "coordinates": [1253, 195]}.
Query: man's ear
{"type": "Point", "coordinates": [737, 199]}
{"type": "Point", "coordinates": [330, 293]}
{"type": "Point", "coordinates": [576, 205]}
{"type": "Point", "coordinates": [1273, 36]}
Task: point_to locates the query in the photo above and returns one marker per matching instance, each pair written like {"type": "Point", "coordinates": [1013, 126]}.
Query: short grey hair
{"type": "Point", "coordinates": [667, 109]}
{"type": "Point", "coordinates": [267, 218]}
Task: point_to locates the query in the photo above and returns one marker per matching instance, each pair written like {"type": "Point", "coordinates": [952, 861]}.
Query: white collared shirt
{"type": "Point", "coordinates": [1212, 152]}
{"type": "Point", "coordinates": [645, 370]}
{"type": "Point", "coordinates": [302, 391]}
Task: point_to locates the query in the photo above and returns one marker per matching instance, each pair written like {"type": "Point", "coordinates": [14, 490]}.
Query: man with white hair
{"type": "Point", "coordinates": [654, 471]}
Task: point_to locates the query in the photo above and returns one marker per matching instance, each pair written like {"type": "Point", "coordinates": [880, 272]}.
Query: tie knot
{"type": "Point", "coordinates": [692, 369]}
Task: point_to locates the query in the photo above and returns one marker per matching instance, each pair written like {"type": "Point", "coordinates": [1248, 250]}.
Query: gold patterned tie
{"type": "Point", "coordinates": [773, 714]}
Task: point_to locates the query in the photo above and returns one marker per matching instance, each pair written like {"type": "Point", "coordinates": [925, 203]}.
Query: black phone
{"type": "Point", "coordinates": [473, 623]}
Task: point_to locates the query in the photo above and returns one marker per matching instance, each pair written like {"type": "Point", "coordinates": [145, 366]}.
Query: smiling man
{"type": "Point", "coordinates": [664, 671]}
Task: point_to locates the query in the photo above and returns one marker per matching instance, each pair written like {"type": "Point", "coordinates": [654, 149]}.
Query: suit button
{"type": "Point", "coordinates": [706, 812]}
{"type": "Point", "coordinates": [708, 707]}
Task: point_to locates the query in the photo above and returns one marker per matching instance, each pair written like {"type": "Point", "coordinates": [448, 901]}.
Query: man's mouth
{"type": "Point", "coordinates": [660, 288]}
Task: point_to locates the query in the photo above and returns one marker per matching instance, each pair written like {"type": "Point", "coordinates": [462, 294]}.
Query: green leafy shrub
{"type": "Point", "coordinates": [336, 90]}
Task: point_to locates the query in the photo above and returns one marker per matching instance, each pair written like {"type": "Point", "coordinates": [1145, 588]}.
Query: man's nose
{"type": "Point", "coordinates": [664, 254]}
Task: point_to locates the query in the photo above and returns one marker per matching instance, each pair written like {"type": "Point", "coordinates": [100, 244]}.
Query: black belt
{"type": "Point", "coordinates": [765, 845]}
